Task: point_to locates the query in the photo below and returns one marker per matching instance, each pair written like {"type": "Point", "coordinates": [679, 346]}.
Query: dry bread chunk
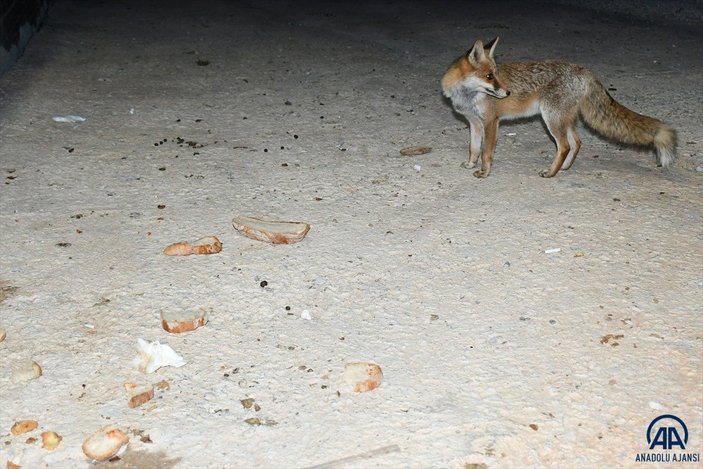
{"type": "Point", "coordinates": [276, 232]}
{"type": "Point", "coordinates": [106, 443]}
{"type": "Point", "coordinates": [206, 245]}
{"type": "Point", "coordinates": [179, 321]}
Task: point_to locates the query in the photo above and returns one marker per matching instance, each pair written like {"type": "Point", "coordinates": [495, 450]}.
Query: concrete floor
{"type": "Point", "coordinates": [519, 321]}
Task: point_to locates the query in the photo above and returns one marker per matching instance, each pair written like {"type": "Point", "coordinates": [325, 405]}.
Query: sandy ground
{"type": "Point", "coordinates": [519, 321]}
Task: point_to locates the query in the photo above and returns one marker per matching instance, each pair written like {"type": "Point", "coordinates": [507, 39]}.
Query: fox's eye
{"type": "Point", "coordinates": [490, 77]}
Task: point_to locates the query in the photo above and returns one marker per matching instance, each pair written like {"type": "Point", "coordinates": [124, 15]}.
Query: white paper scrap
{"type": "Point", "coordinates": [69, 118]}
{"type": "Point", "coordinates": [154, 355]}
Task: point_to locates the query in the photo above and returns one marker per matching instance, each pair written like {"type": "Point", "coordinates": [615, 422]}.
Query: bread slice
{"type": "Point", "coordinates": [179, 321]}
{"type": "Point", "coordinates": [276, 232]}
{"type": "Point", "coordinates": [363, 376]}
{"type": "Point", "coordinates": [106, 443]}
{"type": "Point", "coordinates": [138, 395]}
{"type": "Point", "coordinates": [206, 245]}
{"type": "Point", "coordinates": [26, 371]}
{"type": "Point", "coordinates": [23, 426]}
{"type": "Point", "coordinates": [414, 151]}
{"type": "Point", "coordinates": [50, 440]}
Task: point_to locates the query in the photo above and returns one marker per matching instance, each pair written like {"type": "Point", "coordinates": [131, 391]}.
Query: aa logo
{"type": "Point", "coordinates": [668, 432]}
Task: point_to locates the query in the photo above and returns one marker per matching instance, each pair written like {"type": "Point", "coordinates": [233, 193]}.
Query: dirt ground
{"type": "Point", "coordinates": [519, 321]}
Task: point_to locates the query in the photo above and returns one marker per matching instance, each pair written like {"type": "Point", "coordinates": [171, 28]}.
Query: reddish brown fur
{"type": "Point", "coordinates": [559, 91]}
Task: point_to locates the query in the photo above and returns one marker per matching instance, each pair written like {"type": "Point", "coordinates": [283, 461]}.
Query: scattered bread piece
{"type": "Point", "coordinates": [413, 151]}
{"type": "Point", "coordinates": [276, 232]}
{"type": "Point", "coordinates": [27, 372]}
{"type": "Point", "coordinates": [106, 443]}
{"type": "Point", "coordinates": [138, 395]}
{"type": "Point", "coordinates": [363, 376]}
{"type": "Point", "coordinates": [176, 322]}
{"type": "Point", "coordinates": [23, 426]}
{"type": "Point", "coordinates": [206, 245]}
{"type": "Point", "coordinates": [50, 440]}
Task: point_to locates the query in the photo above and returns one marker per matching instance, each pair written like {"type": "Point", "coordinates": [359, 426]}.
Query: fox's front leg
{"type": "Point", "coordinates": [490, 136]}
{"type": "Point", "coordinates": [475, 143]}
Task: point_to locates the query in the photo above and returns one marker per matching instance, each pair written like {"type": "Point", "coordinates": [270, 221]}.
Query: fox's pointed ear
{"type": "Point", "coordinates": [492, 45]}
{"type": "Point", "coordinates": [476, 54]}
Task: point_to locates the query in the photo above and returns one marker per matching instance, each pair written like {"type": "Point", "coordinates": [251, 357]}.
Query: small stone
{"type": "Point", "coordinates": [247, 403]}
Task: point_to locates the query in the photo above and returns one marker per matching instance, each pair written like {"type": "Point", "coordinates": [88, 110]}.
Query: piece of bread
{"type": "Point", "coordinates": [50, 440]}
{"type": "Point", "coordinates": [206, 245]}
{"type": "Point", "coordinates": [106, 443]}
{"type": "Point", "coordinates": [27, 371]}
{"type": "Point", "coordinates": [363, 376]}
{"type": "Point", "coordinates": [276, 232]}
{"type": "Point", "coordinates": [413, 151]}
{"type": "Point", "coordinates": [138, 395]}
{"type": "Point", "coordinates": [177, 321]}
{"type": "Point", "coordinates": [23, 426]}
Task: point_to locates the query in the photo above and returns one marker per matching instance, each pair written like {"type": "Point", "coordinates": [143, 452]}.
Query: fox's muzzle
{"type": "Point", "coordinates": [497, 93]}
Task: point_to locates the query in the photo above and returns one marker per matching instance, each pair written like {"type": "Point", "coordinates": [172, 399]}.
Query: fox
{"type": "Point", "coordinates": [486, 93]}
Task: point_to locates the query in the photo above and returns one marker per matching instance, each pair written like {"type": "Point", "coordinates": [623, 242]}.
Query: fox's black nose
{"type": "Point", "coordinates": [507, 92]}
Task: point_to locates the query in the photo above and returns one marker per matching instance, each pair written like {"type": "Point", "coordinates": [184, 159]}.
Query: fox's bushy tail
{"type": "Point", "coordinates": [613, 120]}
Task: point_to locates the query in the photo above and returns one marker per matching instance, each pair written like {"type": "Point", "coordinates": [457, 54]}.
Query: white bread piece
{"type": "Point", "coordinates": [206, 245]}
{"type": "Point", "coordinates": [276, 232]}
{"type": "Point", "coordinates": [27, 371]}
{"type": "Point", "coordinates": [177, 321]}
{"type": "Point", "coordinates": [363, 376]}
{"type": "Point", "coordinates": [106, 443]}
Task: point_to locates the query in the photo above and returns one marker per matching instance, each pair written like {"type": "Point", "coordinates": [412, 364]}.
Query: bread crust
{"type": "Point", "coordinates": [276, 232]}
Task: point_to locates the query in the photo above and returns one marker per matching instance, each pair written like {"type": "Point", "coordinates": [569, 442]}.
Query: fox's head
{"type": "Point", "coordinates": [475, 71]}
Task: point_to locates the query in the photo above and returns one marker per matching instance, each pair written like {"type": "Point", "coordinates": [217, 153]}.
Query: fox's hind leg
{"type": "Point", "coordinates": [575, 143]}
{"type": "Point", "coordinates": [561, 124]}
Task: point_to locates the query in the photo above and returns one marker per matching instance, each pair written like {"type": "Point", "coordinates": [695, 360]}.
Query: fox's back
{"type": "Point", "coordinates": [527, 78]}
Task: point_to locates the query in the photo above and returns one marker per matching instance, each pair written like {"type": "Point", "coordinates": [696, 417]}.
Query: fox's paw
{"type": "Point", "coordinates": [545, 173]}
{"type": "Point", "coordinates": [468, 164]}
{"type": "Point", "coordinates": [480, 174]}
